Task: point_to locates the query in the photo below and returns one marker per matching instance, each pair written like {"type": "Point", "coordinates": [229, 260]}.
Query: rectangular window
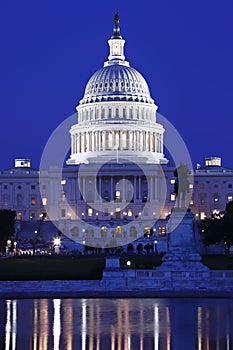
{"type": "Point", "coordinates": [229, 185]}
{"type": "Point", "coordinates": [33, 201]}
{"type": "Point", "coordinates": [44, 201]}
{"type": "Point", "coordinates": [173, 197]}
{"type": "Point", "coordinates": [89, 211]}
{"type": "Point", "coordinates": [33, 187]}
{"type": "Point", "coordinates": [63, 213]}
{"type": "Point", "coordinates": [118, 194]}
{"type": "Point", "coordinates": [161, 230]}
{"type": "Point", "coordinates": [203, 216]}
{"type": "Point", "coordinates": [5, 200]}
{"type": "Point", "coordinates": [130, 213]}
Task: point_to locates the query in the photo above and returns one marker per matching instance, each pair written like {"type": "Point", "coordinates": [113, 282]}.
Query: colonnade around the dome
{"type": "Point", "coordinates": [110, 140]}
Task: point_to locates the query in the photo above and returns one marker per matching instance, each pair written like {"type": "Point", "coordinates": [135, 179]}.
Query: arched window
{"type": "Point", "coordinates": [118, 231]}
{"type": "Point", "coordinates": [19, 199]}
{"type": "Point", "coordinates": [162, 230]}
{"type": "Point", "coordinates": [106, 196]}
{"type": "Point", "coordinates": [133, 232]}
{"type": "Point", "coordinates": [148, 231]}
{"type": "Point", "coordinates": [74, 231]}
{"type": "Point", "coordinates": [144, 196]}
{"type": "Point", "coordinates": [104, 231]}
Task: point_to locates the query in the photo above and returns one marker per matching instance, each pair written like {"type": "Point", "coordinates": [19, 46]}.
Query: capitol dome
{"type": "Point", "coordinates": [117, 81]}
{"type": "Point", "coordinates": [116, 113]}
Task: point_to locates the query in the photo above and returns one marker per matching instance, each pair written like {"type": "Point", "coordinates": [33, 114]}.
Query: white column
{"type": "Point", "coordinates": [83, 187]}
{"type": "Point", "coordinates": [141, 140]}
{"type": "Point", "coordinates": [151, 142]}
{"type": "Point", "coordinates": [82, 142]}
{"type": "Point", "coordinates": [73, 145]}
{"type": "Point", "coordinates": [104, 140]}
{"type": "Point", "coordinates": [147, 147]}
{"type": "Point", "coordinates": [151, 188]}
{"type": "Point", "coordinates": [100, 187]}
{"type": "Point", "coordinates": [99, 141]}
{"type": "Point", "coordinates": [139, 187]}
{"type": "Point", "coordinates": [120, 140]}
{"type": "Point", "coordinates": [123, 188]}
{"type": "Point", "coordinates": [137, 141]}
{"type": "Point", "coordinates": [134, 140]}
{"type": "Point", "coordinates": [135, 188]}
{"type": "Point", "coordinates": [92, 141]}
{"type": "Point", "coordinates": [89, 141]}
{"type": "Point", "coordinates": [130, 139]}
{"type": "Point", "coordinates": [79, 185]}
{"type": "Point", "coordinates": [96, 188]}
{"type": "Point", "coordinates": [111, 188]}
{"type": "Point", "coordinates": [157, 142]}
{"type": "Point", "coordinates": [85, 141]}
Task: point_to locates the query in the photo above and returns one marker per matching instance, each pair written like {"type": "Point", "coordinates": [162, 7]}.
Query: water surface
{"type": "Point", "coordinates": [116, 324]}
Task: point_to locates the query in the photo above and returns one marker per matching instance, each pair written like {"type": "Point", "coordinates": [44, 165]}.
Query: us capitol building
{"type": "Point", "coordinates": [117, 181]}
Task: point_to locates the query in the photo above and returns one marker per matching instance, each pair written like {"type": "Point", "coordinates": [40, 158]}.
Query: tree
{"type": "Point", "coordinates": [130, 248]}
{"type": "Point", "coordinates": [148, 248]}
{"type": "Point", "coordinates": [219, 229]}
{"type": "Point", "coordinates": [139, 248]}
{"type": "Point", "coordinates": [7, 226]}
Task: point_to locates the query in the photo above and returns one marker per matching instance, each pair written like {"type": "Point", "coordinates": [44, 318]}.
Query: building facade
{"type": "Point", "coordinates": [117, 182]}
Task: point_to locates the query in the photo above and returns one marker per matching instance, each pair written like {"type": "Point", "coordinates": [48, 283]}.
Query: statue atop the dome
{"type": "Point", "coordinates": [116, 20]}
{"type": "Point", "coordinates": [116, 30]}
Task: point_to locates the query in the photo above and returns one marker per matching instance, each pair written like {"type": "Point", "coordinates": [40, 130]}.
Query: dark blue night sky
{"type": "Point", "coordinates": [49, 50]}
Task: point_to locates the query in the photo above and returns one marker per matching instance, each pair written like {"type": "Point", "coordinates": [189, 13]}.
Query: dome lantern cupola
{"type": "Point", "coordinates": [116, 43]}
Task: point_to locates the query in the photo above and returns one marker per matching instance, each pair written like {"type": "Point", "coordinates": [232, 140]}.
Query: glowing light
{"type": "Point", "coordinates": [57, 241]}
{"type": "Point", "coordinates": [14, 323]}
{"type": "Point", "coordinates": [56, 324]}
{"type": "Point", "coordinates": [156, 327]}
{"type": "Point", "coordinates": [8, 325]}
{"type": "Point", "coordinates": [84, 323]}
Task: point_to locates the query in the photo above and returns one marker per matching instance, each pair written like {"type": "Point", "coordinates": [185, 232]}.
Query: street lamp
{"type": "Point", "coordinates": [57, 244]}
{"type": "Point", "coordinates": [8, 246]}
{"type": "Point", "coordinates": [15, 245]}
{"type": "Point", "coordinates": [155, 246]}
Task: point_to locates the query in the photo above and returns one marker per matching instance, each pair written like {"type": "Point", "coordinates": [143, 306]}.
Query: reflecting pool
{"type": "Point", "coordinates": [116, 324]}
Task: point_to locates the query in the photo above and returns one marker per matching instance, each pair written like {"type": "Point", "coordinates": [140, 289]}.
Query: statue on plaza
{"type": "Point", "coordinates": [181, 186]}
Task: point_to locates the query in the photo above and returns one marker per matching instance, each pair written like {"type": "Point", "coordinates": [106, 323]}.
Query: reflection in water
{"type": "Point", "coordinates": [56, 323]}
{"type": "Point", "coordinates": [116, 324]}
